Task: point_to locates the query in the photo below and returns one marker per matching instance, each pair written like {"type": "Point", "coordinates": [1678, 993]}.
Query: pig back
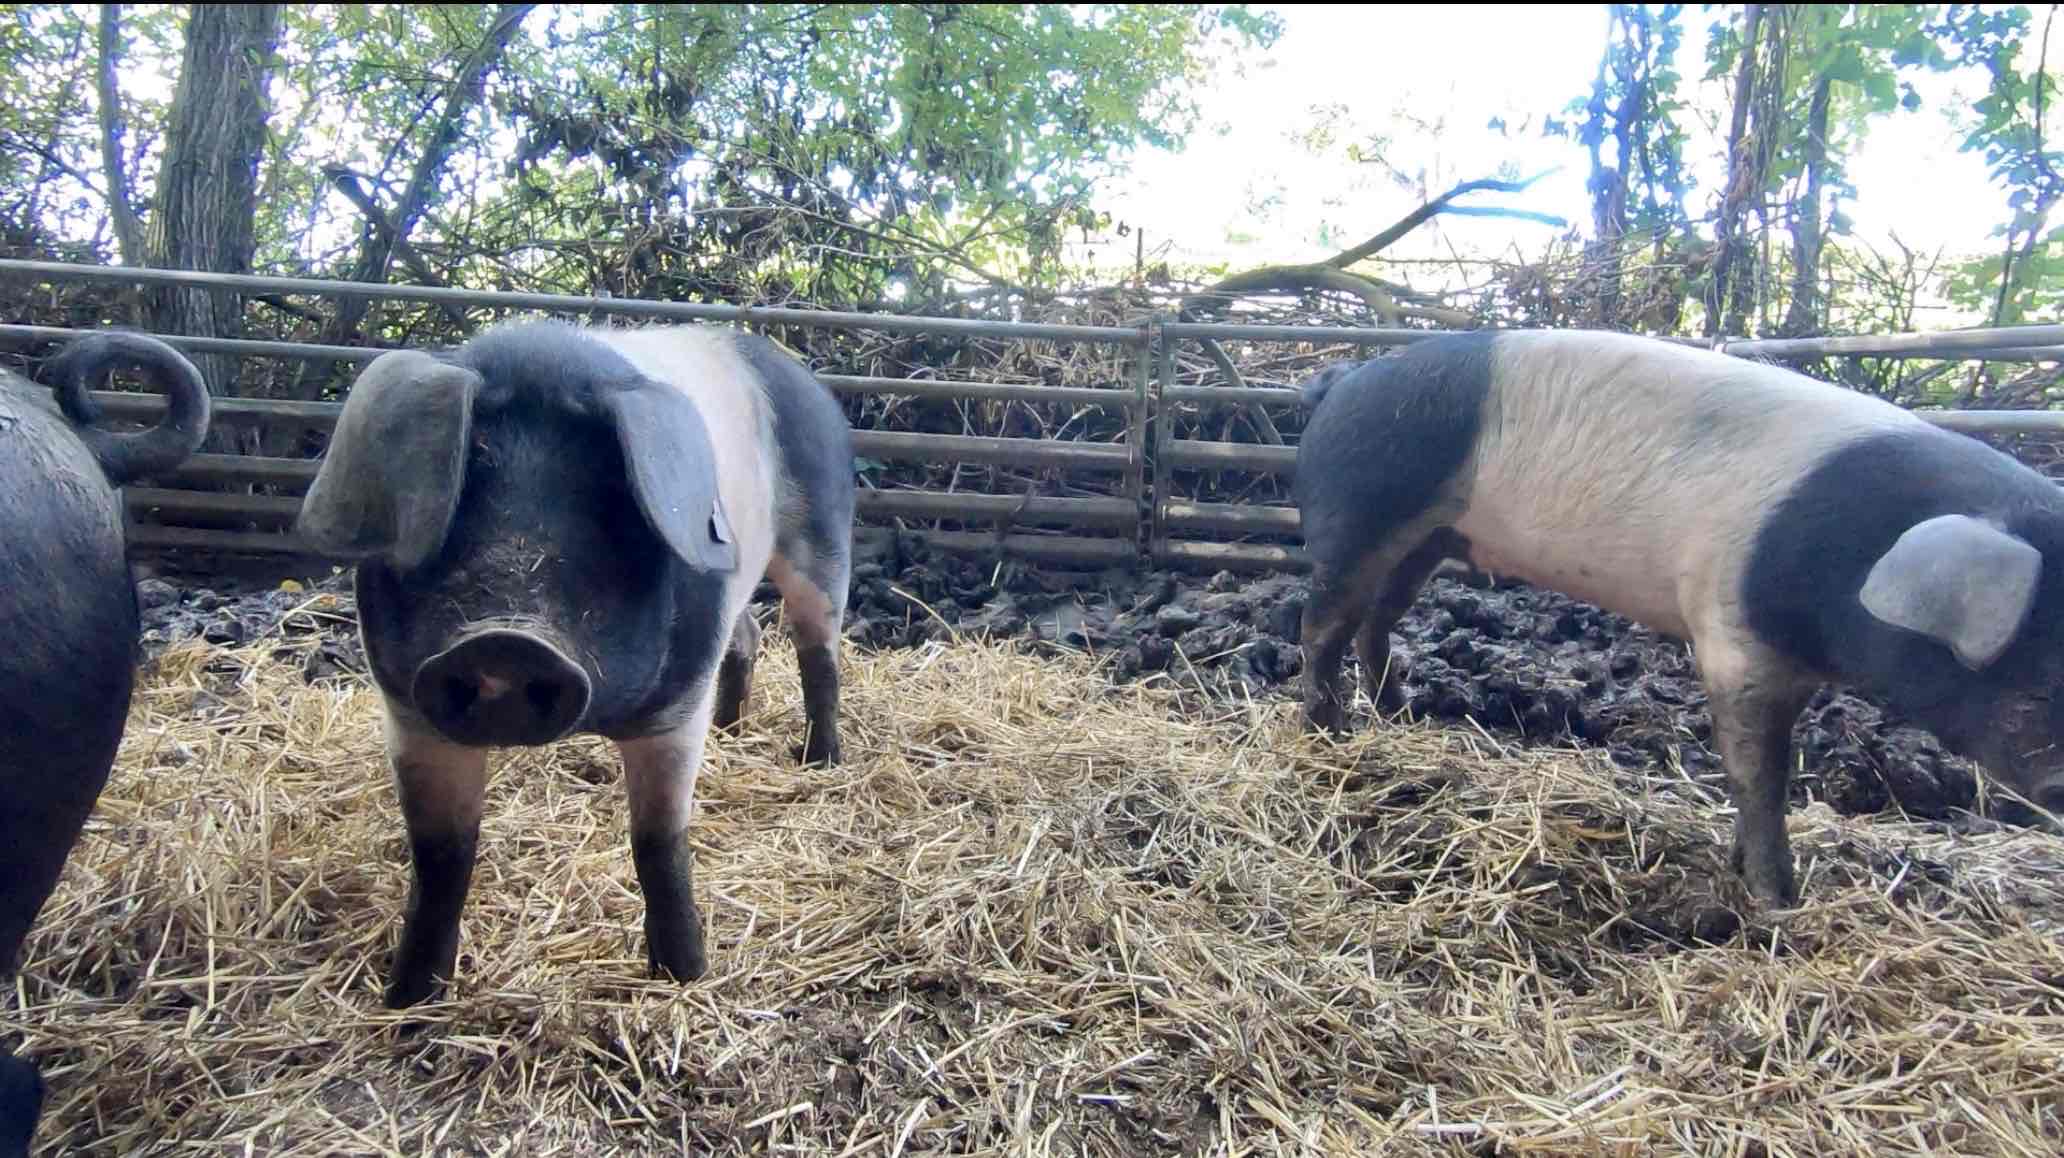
{"type": "Point", "coordinates": [1634, 474]}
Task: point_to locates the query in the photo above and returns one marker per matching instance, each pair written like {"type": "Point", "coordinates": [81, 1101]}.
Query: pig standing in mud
{"type": "Point", "coordinates": [1795, 533]}
{"type": "Point", "coordinates": [559, 530]}
{"type": "Point", "coordinates": [68, 625]}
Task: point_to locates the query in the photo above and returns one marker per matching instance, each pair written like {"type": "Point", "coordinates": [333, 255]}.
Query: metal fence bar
{"type": "Point", "coordinates": [927, 388]}
{"type": "Point", "coordinates": [1996, 421]}
{"type": "Point", "coordinates": [630, 307]}
{"type": "Point", "coordinates": [245, 468]}
{"type": "Point", "coordinates": [1063, 549]}
{"type": "Point", "coordinates": [134, 406]}
{"type": "Point", "coordinates": [1941, 341]}
{"type": "Point", "coordinates": [1204, 455]}
{"type": "Point", "coordinates": [1007, 510]}
{"type": "Point", "coordinates": [1233, 395]}
{"type": "Point", "coordinates": [1236, 557]}
{"type": "Point", "coordinates": [933, 389]}
{"type": "Point", "coordinates": [211, 504]}
{"type": "Point", "coordinates": [242, 347]}
{"type": "Point", "coordinates": [897, 446]}
{"type": "Point", "coordinates": [1356, 335]}
{"type": "Point", "coordinates": [1235, 517]}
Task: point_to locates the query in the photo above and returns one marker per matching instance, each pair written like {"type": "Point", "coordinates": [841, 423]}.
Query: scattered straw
{"type": "Point", "coordinates": [1033, 914]}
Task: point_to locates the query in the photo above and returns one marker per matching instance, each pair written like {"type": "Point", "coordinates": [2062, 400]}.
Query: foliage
{"type": "Point", "coordinates": [1635, 105]}
{"type": "Point", "coordinates": [2008, 127]}
{"type": "Point", "coordinates": [845, 153]}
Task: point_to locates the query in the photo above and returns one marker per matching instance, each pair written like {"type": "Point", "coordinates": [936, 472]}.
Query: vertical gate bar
{"type": "Point", "coordinates": [1136, 463]}
{"type": "Point", "coordinates": [1164, 427]}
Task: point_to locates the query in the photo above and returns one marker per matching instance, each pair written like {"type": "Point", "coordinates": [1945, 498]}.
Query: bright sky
{"type": "Point", "coordinates": [1245, 191]}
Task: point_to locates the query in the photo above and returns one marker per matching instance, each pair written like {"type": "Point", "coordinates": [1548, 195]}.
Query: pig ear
{"type": "Point", "coordinates": [390, 480]}
{"type": "Point", "coordinates": [1958, 581]}
{"type": "Point", "coordinates": [666, 446]}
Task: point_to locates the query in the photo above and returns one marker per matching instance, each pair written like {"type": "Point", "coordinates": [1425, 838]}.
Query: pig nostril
{"type": "Point", "coordinates": [544, 696]}
{"type": "Point", "coordinates": [459, 694]}
{"type": "Point", "coordinates": [501, 688]}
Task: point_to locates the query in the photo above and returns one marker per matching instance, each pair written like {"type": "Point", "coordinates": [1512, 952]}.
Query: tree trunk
{"type": "Point", "coordinates": [121, 209]}
{"type": "Point", "coordinates": [1802, 316]}
{"type": "Point", "coordinates": [204, 215]}
{"type": "Point", "coordinates": [1732, 258]}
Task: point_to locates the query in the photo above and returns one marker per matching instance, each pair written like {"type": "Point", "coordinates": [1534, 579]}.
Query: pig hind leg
{"type": "Point", "coordinates": [812, 582]}
{"type": "Point", "coordinates": [1358, 598]}
{"type": "Point", "coordinates": [50, 777]}
{"type": "Point", "coordinates": [1382, 678]}
{"type": "Point", "coordinates": [734, 675]}
{"type": "Point", "coordinates": [48, 785]}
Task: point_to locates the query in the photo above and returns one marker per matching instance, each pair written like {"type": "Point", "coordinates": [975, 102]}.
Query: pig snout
{"type": "Point", "coordinates": [501, 688]}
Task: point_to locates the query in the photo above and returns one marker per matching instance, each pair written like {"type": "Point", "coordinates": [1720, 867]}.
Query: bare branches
{"type": "Point", "coordinates": [1444, 204]}
{"type": "Point", "coordinates": [1381, 299]}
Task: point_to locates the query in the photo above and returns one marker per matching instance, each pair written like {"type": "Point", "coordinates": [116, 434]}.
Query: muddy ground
{"type": "Point", "coordinates": [1526, 665]}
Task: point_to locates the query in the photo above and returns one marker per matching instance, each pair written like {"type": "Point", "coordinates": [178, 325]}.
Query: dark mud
{"type": "Point", "coordinates": [1526, 665]}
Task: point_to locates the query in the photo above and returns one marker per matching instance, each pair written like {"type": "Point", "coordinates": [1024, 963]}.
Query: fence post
{"type": "Point", "coordinates": [1164, 429]}
{"type": "Point", "coordinates": [1136, 466]}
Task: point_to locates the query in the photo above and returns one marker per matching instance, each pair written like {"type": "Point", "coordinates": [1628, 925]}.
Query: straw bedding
{"type": "Point", "coordinates": [1037, 912]}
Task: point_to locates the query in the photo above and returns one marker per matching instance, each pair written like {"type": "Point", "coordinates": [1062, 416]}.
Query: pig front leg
{"type": "Point", "coordinates": [442, 786]}
{"type": "Point", "coordinates": [1754, 699]}
{"type": "Point", "coordinates": [659, 772]}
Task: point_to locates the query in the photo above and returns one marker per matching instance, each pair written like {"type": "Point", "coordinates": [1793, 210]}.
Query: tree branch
{"type": "Point", "coordinates": [50, 157]}
{"type": "Point", "coordinates": [347, 182]}
{"type": "Point", "coordinates": [1497, 211]}
{"type": "Point", "coordinates": [121, 210]}
{"type": "Point", "coordinates": [1433, 208]}
{"type": "Point", "coordinates": [460, 98]}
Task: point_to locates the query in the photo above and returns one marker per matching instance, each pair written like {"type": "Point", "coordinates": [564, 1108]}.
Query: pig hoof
{"type": "Point", "coordinates": [404, 992]}
{"type": "Point", "coordinates": [1326, 720]}
{"type": "Point", "coordinates": [1773, 888]}
{"type": "Point", "coordinates": [673, 945]}
{"type": "Point", "coordinates": [1391, 700]}
{"type": "Point", "coordinates": [816, 755]}
{"type": "Point", "coordinates": [21, 1103]}
{"type": "Point", "coordinates": [683, 966]}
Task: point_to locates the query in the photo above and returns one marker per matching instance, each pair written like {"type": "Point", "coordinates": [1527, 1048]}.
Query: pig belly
{"type": "Point", "coordinates": [1629, 571]}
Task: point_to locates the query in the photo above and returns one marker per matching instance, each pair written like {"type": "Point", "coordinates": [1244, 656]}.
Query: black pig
{"type": "Point", "coordinates": [68, 624]}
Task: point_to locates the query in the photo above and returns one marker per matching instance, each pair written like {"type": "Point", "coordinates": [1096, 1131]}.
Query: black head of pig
{"type": "Point", "coordinates": [539, 531]}
{"type": "Point", "coordinates": [1994, 601]}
